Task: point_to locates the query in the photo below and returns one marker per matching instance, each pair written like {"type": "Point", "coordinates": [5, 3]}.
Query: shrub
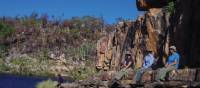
{"type": "Point", "coordinates": [3, 66]}
{"type": "Point", "coordinates": [85, 50]}
{"type": "Point", "coordinates": [81, 73]}
{"type": "Point", "coordinates": [5, 30]}
{"type": "Point", "coordinates": [3, 50]}
{"type": "Point", "coordinates": [170, 7]}
{"type": "Point", "coordinates": [29, 66]}
{"type": "Point", "coordinates": [75, 33]}
{"type": "Point", "coordinates": [47, 84]}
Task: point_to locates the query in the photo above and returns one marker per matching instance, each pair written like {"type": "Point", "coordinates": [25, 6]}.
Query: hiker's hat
{"type": "Point", "coordinates": [127, 52]}
{"type": "Point", "coordinates": [106, 68]}
{"type": "Point", "coordinates": [149, 50]}
{"type": "Point", "coordinates": [172, 47]}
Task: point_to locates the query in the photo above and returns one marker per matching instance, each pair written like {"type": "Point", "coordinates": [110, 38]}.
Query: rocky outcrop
{"type": "Point", "coordinates": [144, 5]}
{"type": "Point", "coordinates": [111, 50]}
{"type": "Point", "coordinates": [147, 32]}
{"type": "Point", "coordinates": [151, 33]}
{"type": "Point", "coordinates": [157, 30]}
{"type": "Point", "coordinates": [185, 31]}
{"type": "Point", "coordinates": [181, 30]}
{"type": "Point", "coordinates": [178, 78]}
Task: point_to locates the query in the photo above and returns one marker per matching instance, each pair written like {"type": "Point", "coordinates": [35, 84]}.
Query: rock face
{"type": "Point", "coordinates": [148, 32]}
{"type": "Point", "coordinates": [151, 33]}
{"type": "Point", "coordinates": [144, 5]}
{"type": "Point", "coordinates": [180, 78]}
{"type": "Point", "coordinates": [157, 30]}
{"type": "Point", "coordinates": [111, 50]}
{"type": "Point", "coordinates": [185, 31]}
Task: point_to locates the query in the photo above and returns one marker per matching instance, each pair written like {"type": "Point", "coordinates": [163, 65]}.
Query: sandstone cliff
{"type": "Point", "coordinates": [150, 31]}
{"type": "Point", "coordinates": [157, 30]}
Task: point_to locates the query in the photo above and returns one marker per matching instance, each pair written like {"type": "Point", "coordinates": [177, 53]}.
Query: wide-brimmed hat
{"type": "Point", "coordinates": [106, 68]}
{"type": "Point", "coordinates": [173, 47]}
{"type": "Point", "coordinates": [149, 50]}
{"type": "Point", "coordinates": [127, 53]}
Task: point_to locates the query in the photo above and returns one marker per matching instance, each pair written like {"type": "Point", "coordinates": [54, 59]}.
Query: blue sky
{"type": "Point", "coordinates": [109, 9]}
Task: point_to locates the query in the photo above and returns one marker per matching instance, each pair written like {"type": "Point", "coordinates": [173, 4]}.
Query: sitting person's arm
{"type": "Point", "coordinates": [129, 64]}
{"type": "Point", "coordinates": [148, 61]}
{"type": "Point", "coordinates": [172, 64]}
{"type": "Point", "coordinates": [175, 59]}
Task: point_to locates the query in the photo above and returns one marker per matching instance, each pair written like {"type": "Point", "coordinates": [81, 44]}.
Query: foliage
{"type": "Point", "coordinates": [75, 34]}
{"type": "Point", "coordinates": [82, 73]}
{"type": "Point", "coordinates": [44, 54]}
{"type": "Point", "coordinates": [3, 66]}
{"type": "Point", "coordinates": [28, 66]}
{"type": "Point", "coordinates": [3, 50]}
{"type": "Point", "coordinates": [37, 36]}
{"type": "Point", "coordinates": [47, 84]}
{"type": "Point", "coordinates": [85, 50]}
{"type": "Point", "coordinates": [170, 7]}
{"type": "Point", "coordinates": [5, 30]}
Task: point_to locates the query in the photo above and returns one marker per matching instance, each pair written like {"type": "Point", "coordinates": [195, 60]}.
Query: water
{"type": "Point", "coordinates": [13, 81]}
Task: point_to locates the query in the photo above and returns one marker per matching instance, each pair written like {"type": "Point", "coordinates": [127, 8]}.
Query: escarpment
{"type": "Point", "coordinates": [156, 30]}
{"type": "Point", "coordinates": [150, 31]}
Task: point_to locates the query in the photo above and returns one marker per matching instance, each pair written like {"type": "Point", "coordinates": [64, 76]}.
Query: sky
{"type": "Point", "coordinates": [65, 9]}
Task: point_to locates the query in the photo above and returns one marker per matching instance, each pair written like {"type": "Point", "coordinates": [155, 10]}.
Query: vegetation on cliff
{"type": "Point", "coordinates": [170, 7]}
{"type": "Point", "coordinates": [38, 45]}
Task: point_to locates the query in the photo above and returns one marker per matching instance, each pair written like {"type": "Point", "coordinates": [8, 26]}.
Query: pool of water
{"type": "Point", "coordinates": [14, 81]}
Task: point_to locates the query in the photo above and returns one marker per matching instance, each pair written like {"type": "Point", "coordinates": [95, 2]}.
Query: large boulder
{"type": "Point", "coordinates": [144, 5]}
{"type": "Point", "coordinates": [198, 75]}
{"type": "Point", "coordinates": [183, 75]}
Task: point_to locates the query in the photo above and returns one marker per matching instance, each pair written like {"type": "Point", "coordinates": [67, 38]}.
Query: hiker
{"type": "Point", "coordinates": [60, 80]}
{"type": "Point", "coordinates": [148, 61]}
{"type": "Point", "coordinates": [172, 64]}
{"type": "Point", "coordinates": [127, 65]}
{"type": "Point", "coordinates": [105, 74]}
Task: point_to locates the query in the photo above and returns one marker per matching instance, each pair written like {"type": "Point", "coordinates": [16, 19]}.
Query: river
{"type": "Point", "coordinates": [14, 81]}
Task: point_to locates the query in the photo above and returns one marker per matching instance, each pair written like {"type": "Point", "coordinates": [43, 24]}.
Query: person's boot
{"type": "Point", "coordinates": [160, 81]}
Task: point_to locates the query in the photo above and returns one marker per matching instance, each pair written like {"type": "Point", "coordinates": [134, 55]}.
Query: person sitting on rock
{"type": "Point", "coordinates": [127, 65]}
{"type": "Point", "coordinates": [148, 62]}
{"type": "Point", "coordinates": [60, 80]}
{"type": "Point", "coordinates": [172, 64]}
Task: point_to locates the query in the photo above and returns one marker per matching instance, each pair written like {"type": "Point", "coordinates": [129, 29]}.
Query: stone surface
{"type": "Point", "coordinates": [185, 31]}
{"type": "Point", "coordinates": [183, 75]}
{"type": "Point", "coordinates": [198, 75]}
{"type": "Point", "coordinates": [157, 30]}
{"type": "Point", "coordinates": [148, 76]}
{"type": "Point", "coordinates": [144, 5]}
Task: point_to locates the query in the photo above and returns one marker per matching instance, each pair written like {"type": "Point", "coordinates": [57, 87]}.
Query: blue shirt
{"type": "Point", "coordinates": [172, 58]}
{"type": "Point", "coordinates": [148, 61]}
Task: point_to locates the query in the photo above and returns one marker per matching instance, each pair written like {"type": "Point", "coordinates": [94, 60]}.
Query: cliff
{"type": "Point", "coordinates": [35, 45]}
{"type": "Point", "coordinates": [150, 31]}
{"type": "Point", "coordinates": [185, 22]}
{"type": "Point", "coordinates": [157, 30]}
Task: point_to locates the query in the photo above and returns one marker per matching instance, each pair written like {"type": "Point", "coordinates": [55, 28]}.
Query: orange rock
{"type": "Point", "coordinates": [148, 76]}
{"type": "Point", "coordinates": [144, 5]}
